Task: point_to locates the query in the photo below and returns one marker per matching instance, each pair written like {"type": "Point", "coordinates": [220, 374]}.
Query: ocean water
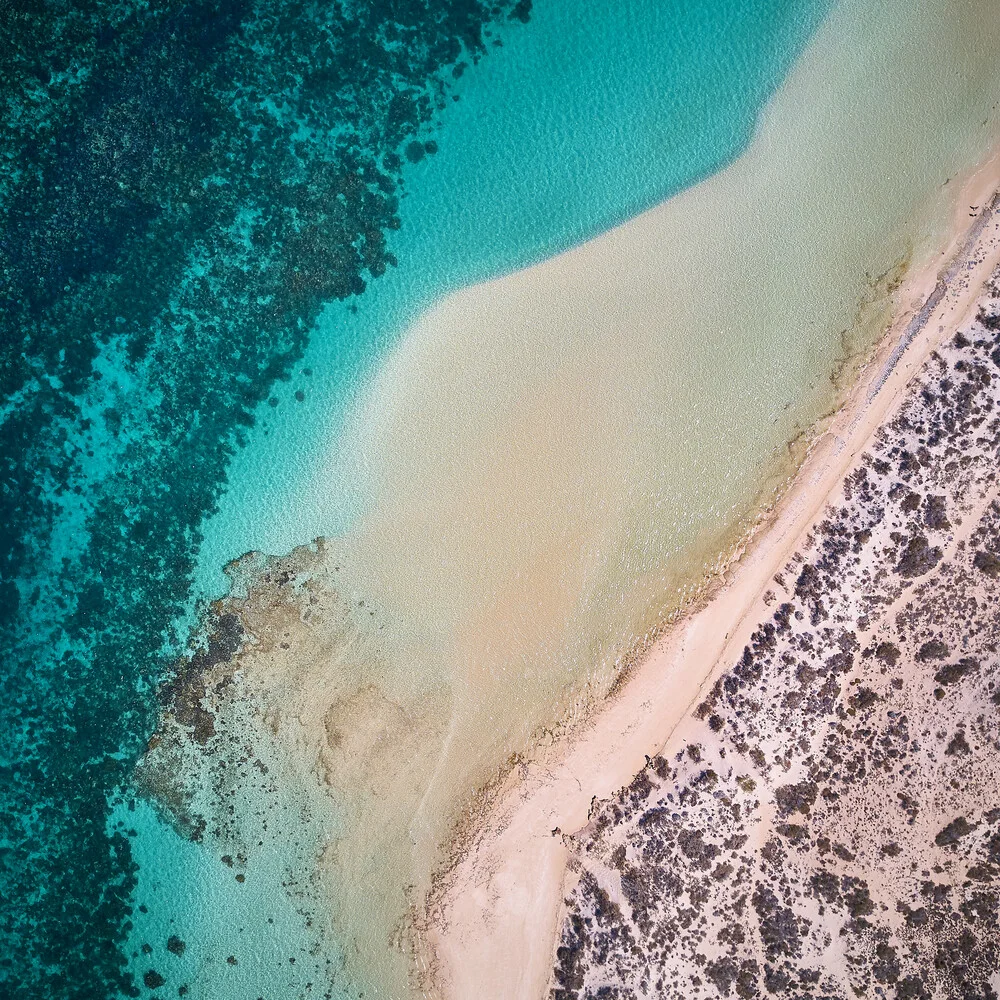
{"type": "Point", "coordinates": [182, 190]}
{"type": "Point", "coordinates": [195, 200]}
{"type": "Point", "coordinates": [228, 245]}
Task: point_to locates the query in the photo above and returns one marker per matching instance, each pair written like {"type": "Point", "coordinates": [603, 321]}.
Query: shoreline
{"type": "Point", "coordinates": [490, 923]}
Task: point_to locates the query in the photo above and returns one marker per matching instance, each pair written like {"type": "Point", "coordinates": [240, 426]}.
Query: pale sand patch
{"type": "Point", "coordinates": [490, 926]}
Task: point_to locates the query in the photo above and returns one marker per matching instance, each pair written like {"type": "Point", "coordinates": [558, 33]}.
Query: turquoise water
{"type": "Point", "coordinates": [182, 186]}
{"type": "Point", "coordinates": [587, 116]}
{"type": "Point", "coordinates": [200, 213]}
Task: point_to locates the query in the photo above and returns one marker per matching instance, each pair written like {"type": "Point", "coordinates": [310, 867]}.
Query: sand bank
{"type": "Point", "coordinates": [551, 462]}
{"type": "Point", "coordinates": [491, 922]}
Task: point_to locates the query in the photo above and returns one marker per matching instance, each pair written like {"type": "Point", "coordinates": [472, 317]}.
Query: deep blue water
{"type": "Point", "coordinates": [194, 199]}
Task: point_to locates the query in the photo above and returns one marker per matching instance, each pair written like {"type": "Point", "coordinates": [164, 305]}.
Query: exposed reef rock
{"type": "Point", "coordinates": [204, 747]}
{"type": "Point", "coordinates": [279, 746]}
{"type": "Point", "coordinates": [827, 823]}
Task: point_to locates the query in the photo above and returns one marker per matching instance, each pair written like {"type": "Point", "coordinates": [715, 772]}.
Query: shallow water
{"type": "Point", "coordinates": [627, 77]}
{"type": "Point", "coordinates": [522, 486]}
{"type": "Point", "coordinates": [548, 459]}
{"type": "Point", "coordinates": [590, 114]}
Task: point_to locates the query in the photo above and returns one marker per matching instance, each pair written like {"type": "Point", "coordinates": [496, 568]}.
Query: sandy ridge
{"type": "Point", "coordinates": [490, 923]}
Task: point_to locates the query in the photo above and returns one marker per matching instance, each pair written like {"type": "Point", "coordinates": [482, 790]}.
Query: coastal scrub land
{"type": "Point", "coordinates": [826, 822]}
